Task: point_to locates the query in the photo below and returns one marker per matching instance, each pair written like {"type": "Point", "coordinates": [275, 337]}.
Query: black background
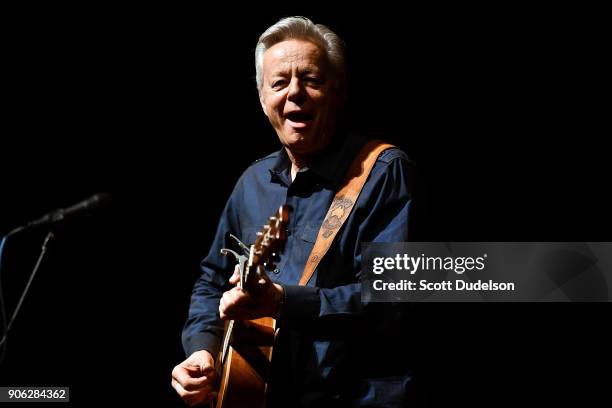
{"type": "Point", "coordinates": [502, 110]}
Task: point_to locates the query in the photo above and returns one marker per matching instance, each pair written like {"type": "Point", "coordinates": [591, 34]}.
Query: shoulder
{"type": "Point", "coordinates": [393, 153]}
{"type": "Point", "coordinates": [261, 165]}
{"type": "Point", "coordinates": [257, 171]}
{"type": "Point", "coordinates": [393, 166]}
{"type": "Point", "coordinates": [389, 155]}
{"type": "Point", "coordinates": [270, 157]}
{"type": "Point", "coordinates": [263, 162]}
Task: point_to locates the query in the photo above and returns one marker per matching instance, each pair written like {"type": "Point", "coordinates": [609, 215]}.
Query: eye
{"type": "Point", "coordinates": [278, 83]}
{"type": "Point", "coordinates": [314, 80]}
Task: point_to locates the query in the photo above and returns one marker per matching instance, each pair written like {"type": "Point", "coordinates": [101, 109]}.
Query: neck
{"type": "Point", "coordinates": [298, 161]}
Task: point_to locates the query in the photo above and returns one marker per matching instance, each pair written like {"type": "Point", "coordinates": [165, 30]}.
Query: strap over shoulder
{"type": "Point", "coordinates": [343, 203]}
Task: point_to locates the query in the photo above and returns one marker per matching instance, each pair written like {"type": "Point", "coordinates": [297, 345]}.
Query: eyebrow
{"type": "Point", "coordinates": [308, 71]}
{"type": "Point", "coordinates": [301, 72]}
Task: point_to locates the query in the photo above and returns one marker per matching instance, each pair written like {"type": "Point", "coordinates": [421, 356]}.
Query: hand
{"type": "Point", "coordinates": [262, 300]}
{"type": "Point", "coordinates": [193, 378]}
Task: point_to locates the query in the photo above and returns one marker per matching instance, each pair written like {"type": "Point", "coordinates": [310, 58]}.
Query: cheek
{"type": "Point", "coordinates": [323, 102]}
{"type": "Point", "coordinates": [276, 102]}
{"type": "Point", "coordinates": [275, 109]}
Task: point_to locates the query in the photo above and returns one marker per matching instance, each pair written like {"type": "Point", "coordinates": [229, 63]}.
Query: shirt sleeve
{"type": "Point", "coordinates": [386, 199]}
{"type": "Point", "coordinates": [203, 329]}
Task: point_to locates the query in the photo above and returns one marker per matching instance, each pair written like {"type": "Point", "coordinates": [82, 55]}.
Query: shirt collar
{"type": "Point", "coordinates": [331, 164]}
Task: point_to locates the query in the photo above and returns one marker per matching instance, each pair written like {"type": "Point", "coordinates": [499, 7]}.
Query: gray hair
{"type": "Point", "coordinates": [304, 29]}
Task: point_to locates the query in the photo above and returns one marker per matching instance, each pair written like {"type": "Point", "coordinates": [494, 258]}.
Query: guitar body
{"type": "Point", "coordinates": [245, 365]}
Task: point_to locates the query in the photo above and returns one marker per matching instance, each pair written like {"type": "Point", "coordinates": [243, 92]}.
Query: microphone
{"type": "Point", "coordinates": [84, 207]}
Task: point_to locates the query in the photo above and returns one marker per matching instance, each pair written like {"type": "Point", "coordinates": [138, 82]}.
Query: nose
{"type": "Point", "coordinates": [296, 92]}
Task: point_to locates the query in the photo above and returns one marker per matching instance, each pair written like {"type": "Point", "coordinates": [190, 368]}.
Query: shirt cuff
{"type": "Point", "coordinates": [202, 341]}
{"type": "Point", "coordinates": [301, 304]}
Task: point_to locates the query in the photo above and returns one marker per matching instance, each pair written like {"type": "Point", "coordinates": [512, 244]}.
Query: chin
{"type": "Point", "coordinates": [296, 139]}
{"type": "Point", "coordinates": [304, 142]}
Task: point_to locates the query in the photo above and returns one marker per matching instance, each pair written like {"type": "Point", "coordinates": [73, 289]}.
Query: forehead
{"type": "Point", "coordinates": [290, 53]}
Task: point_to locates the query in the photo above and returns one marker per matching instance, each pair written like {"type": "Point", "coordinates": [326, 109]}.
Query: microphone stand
{"type": "Point", "coordinates": [7, 325]}
{"type": "Point", "coordinates": [50, 219]}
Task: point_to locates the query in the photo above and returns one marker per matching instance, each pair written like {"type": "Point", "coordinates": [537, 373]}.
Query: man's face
{"type": "Point", "coordinates": [297, 95]}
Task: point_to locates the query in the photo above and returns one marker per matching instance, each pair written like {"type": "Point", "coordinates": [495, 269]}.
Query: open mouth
{"type": "Point", "coordinates": [299, 117]}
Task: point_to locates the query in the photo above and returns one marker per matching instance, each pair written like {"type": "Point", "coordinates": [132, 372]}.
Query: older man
{"type": "Point", "coordinates": [332, 349]}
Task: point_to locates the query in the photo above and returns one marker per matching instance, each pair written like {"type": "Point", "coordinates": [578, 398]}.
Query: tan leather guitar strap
{"type": "Point", "coordinates": [343, 203]}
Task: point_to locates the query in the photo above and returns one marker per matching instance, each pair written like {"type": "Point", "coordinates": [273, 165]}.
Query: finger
{"type": "Point", "coordinates": [189, 379]}
{"type": "Point", "coordinates": [231, 299]}
{"type": "Point", "coordinates": [264, 278]}
{"type": "Point", "coordinates": [236, 296]}
{"type": "Point", "coordinates": [238, 299]}
{"type": "Point", "coordinates": [235, 278]}
{"type": "Point", "coordinates": [192, 369]}
{"type": "Point", "coordinates": [208, 369]}
{"type": "Point", "coordinates": [225, 311]}
{"type": "Point", "coordinates": [223, 308]}
{"type": "Point", "coordinates": [193, 397]}
{"type": "Point", "coordinates": [225, 304]}
{"type": "Point", "coordinates": [196, 384]}
{"type": "Point", "coordinates": [182, 392]}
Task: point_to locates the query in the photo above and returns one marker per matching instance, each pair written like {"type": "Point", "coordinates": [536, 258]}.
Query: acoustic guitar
{"type": "Point", "coordinates": [243, 362]}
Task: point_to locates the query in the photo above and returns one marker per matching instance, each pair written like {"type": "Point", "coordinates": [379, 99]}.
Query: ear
{"type": "Point", "coordinates": [263, 103]}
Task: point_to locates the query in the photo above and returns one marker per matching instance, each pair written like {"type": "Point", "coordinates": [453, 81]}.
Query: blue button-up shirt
{"type": "Point", "coordinates": [332, 348]}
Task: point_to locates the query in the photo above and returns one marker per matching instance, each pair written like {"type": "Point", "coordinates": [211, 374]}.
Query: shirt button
{"type": "Point", "coordinates": [276, 271]}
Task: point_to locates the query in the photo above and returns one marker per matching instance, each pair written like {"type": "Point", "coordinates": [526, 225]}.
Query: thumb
{"type": "Point", "coordinates": [235, 278]}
